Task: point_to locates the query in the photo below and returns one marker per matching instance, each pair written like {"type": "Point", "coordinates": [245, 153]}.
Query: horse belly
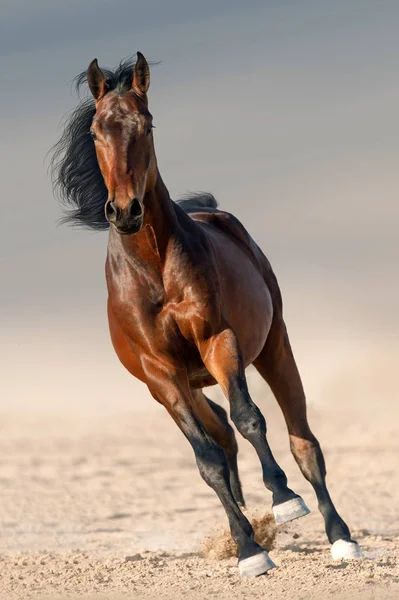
{"type": "Point", "coordinates": [248, 304]}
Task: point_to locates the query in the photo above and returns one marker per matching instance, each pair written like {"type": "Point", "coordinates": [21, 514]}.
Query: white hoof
{"type": "Point", "coordinates": [290, 510]}
{"type": "Point", "coordinates": [255, 565]}
{"type": "Point", "coordinates": [344, 549]}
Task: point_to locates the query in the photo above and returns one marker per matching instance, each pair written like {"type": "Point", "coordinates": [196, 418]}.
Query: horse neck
{"type": "Point", "coordinates": [159, 225]}
{"type": "Point", "coordinates": [160, 216]}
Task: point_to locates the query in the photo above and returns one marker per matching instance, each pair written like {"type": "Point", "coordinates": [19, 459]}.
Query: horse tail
{"type": "Point", "coordinates": [197, 200]}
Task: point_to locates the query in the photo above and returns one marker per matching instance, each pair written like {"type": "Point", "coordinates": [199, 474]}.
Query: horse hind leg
{"type": "Point", "coordinates": [277, 366]}
{"type": "Point", "coordinates": [214, 418]}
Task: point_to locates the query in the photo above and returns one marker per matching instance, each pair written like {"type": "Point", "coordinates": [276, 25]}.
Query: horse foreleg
{"type": "Point", "coordinates": [277, 366]}
{"type": "Point", "coordinates": [171, 388]}
{"type": "Point", "coordinates": [214, 417]}
{"type": "Point", "coordinates": [222, 357]}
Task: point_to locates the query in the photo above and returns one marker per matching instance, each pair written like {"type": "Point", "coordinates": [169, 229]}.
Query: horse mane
{"type": "Point", "coordinates": [75, 173]}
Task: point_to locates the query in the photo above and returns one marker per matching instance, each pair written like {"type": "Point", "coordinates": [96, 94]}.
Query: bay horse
{"type": "Point", "coordinates": [192, 302]}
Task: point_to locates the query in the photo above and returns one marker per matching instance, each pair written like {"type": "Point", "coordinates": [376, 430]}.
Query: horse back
{"type": "Point", "coordinates": [228, 224]}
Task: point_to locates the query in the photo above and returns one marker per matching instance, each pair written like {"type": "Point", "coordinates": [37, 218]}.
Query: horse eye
{"type": "Point", "coordinates": [93, 135]}
{"type": "Point", "coordinates": [149, 129]}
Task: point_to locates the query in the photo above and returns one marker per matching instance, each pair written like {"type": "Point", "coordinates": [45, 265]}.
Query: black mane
{"type": "Point", "coordinates": [75, 172]}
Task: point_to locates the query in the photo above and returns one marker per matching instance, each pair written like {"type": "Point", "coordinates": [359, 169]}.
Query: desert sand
{"type": "Point", "coordinates": [111, 505]}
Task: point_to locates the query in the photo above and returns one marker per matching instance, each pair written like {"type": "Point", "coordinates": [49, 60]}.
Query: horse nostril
{"type": "Point", "coordinates": [111, 212]}
{"type": "Point", "coordinates": [135, 209]}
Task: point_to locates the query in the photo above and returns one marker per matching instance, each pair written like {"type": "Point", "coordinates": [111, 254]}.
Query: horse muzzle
{"type": "Point", "coordinates": [128, 220]}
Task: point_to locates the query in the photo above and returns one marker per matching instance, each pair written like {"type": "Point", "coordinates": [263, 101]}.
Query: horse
{"type": "Point", "coordinates": [192, 301]}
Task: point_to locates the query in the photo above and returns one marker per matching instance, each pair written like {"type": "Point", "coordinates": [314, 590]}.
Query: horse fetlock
{"type": "Point", "coordinates": [275, 478]}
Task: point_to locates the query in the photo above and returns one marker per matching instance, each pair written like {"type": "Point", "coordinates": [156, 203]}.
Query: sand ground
{"type": "Point", "coordinates": [112, 506]}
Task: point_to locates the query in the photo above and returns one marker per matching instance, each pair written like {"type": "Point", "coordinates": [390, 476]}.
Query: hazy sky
{"type": "Point", "coordinates": [287, 111]}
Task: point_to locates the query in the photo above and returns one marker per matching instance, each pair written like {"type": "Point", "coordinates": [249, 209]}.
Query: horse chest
{"type": "Point", "coordinates": [155, 313]}
{"type": "Point", "coordinates": [145, 313]}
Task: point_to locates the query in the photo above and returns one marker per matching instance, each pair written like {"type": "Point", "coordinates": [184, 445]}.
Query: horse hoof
{"type": "Point", "coordinates": [255, 565]}
{"type": "Point", "coordinates": [345, 549]}
{"type": "Point", "coordinates": [290, 510]}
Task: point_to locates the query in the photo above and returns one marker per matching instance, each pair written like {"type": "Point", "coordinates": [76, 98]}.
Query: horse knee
{"type": "Point", "coordinates": [212, 464]}
{"type": "Point", "coordinates": [249, 421]}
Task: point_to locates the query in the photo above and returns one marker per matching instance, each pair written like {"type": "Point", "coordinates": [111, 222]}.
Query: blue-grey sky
{"type": "Point", "coordinates": [286, 111]}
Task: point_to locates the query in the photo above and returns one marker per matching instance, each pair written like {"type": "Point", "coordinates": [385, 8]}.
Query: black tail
{"type": "Point", "coordinates": [197, 200]}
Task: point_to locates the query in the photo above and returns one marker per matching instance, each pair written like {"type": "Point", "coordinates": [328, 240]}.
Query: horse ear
{"type": "Point", "coordinates": [96, 80]}
{"type": "Point", "coordinates": [141, 75]}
